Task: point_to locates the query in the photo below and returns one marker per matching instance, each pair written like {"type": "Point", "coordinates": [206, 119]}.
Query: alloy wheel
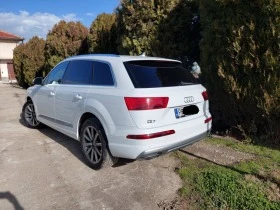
{"type": "Point", "coordinates": [92, 144]}
{"type": "Point", "coordinates": [30, 115]}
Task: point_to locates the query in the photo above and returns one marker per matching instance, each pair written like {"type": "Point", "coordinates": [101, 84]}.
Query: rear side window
{"type": "Point", "coordinates": [79, 72]}
{"type": "Point", "coordinates": [154, 74]}
{"type": "Point", "coordinates": [102, 74]}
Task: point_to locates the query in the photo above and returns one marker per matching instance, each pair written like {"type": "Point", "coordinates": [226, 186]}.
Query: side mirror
{"type": "Point", "coordinates": [38, 81]}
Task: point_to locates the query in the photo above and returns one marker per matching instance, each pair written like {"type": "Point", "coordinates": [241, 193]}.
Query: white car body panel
{"type": "Point", "coordinates": [61, 107]}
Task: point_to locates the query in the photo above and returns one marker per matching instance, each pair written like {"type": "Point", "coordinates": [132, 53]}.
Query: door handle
{"type": "Point", "coordinates": [51, 93]}
{"type": "Point", "coordinates": [79, 97]}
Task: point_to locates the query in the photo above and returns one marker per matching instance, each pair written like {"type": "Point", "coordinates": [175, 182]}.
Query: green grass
{"type": "Point", "coordinates": [263, 151]}
{"type": "Point", "coordinates": [266, 163]}
{"type": "Point", "coordinates": [246, 185]}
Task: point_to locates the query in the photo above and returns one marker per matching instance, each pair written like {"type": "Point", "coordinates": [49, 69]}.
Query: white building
{"type": "Point", "coordinates": [8, 42]}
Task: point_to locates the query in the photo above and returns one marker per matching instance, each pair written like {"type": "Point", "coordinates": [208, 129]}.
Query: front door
{"type": "Point", "coordinates": [45, 103]}
{"type": "Point", "coordinates": [45, 96]}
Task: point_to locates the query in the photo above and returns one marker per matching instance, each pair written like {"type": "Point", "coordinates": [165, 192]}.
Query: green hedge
{"type": "Point", "coordinates": [240, 61]}
{"type": "Point", "coordinates": [29, 61]}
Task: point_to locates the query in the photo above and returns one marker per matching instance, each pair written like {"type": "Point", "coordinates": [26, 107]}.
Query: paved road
{"type": "Point", "coordinates": [43, 169]}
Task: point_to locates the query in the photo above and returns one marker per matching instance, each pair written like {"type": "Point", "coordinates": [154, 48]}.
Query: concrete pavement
{"type": "Point", "coordinates": [43, 169]}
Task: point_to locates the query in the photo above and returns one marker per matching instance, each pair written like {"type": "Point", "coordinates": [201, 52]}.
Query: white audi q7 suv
{"type": "Point", "coordinates": [120, 106]}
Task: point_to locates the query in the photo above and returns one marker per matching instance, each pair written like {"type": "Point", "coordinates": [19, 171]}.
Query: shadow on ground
{"type": "Point", "coordinates": [12, 199]}
{"type": "Point", "coordinates": [71, 144]}
{"type": "Point", "coordinates": [231, 167]}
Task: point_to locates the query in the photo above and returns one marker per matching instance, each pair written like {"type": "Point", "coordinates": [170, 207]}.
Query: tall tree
{"type": "Point", "coordinates": [29, 61]}
{"type": "Point", "coordinates": [159, 28]}
{"type": "Point", "coordinates": [64, 40]}
{"type": "Point", "coordinates": [18, 65]}
{"type": "Point", "coordinates": [138, 22]}
{"type": "Point", "coordinates": [34, 59]}
{"type": "Point", "coordinates": [178, 33]}
{"type": "Point", "coordinates": [240, 58]}
{"type": "Point", "coordinates": [102, 34]}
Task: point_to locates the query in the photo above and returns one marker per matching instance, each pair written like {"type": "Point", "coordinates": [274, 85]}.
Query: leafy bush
{"type": "Point", "coordinates": [29, 61]}
{"type": "Point", "coordinates": [34, 59]}
{"type": "Point", "coordinates": [64, 40]}
{"type": "Point", "coordinates": [240, 60]}
{"type": "Point", "coordinates": [102, 34]}
{"type": "Point", "coordinates": [138, 23]}
{"type": "Point", "coordinates": [178, 32]}
{"type": "Point", "coordinates": [18, 65]}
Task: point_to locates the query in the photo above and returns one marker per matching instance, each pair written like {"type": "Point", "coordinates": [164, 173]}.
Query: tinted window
{"type": "Point", "coordinates": [153, 74]}
{"type": "Point", "coordinates": [102, 74]}
{"type": "Point", "coordinates": [55, 76]}
{"type": "Point", "coordinates": [78, 72]}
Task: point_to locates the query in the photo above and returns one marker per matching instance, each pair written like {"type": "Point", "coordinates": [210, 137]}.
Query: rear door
{"type": "Point", "coordinates": [72, 93]}
{"type": "Point", "coordinates": [158, 81]}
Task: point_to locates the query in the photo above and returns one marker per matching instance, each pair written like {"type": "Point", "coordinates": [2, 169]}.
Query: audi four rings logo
{"type": "Point", "coordinates": [189, 99]}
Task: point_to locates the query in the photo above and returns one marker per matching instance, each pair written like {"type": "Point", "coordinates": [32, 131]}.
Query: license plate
{"type": "Point", "coordinates": [186, 111]}
{"type": "Point", "coordinates": [179, 112]}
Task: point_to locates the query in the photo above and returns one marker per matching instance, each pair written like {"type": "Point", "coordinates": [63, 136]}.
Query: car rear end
{"type": "Point", "coordinates": [169, 107]}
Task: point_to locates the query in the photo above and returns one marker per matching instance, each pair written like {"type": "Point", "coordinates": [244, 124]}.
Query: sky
{"type": "Point", "coordinates": [27, 18]}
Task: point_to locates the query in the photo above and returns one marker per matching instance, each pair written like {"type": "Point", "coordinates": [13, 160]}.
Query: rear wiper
{"type": "Point", "coordinates": [185, 83]}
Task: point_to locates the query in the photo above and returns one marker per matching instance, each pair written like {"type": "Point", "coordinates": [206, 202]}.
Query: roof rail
{"type": "Point", "coordinates": [109, 55]}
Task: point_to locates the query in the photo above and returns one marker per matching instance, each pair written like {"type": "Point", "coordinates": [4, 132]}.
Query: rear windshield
{"type": "Point", "coordinates": [154, 74]}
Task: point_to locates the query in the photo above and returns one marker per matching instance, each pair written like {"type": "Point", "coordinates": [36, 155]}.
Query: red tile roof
{"type": "Point", "coordinates": [7, 36]}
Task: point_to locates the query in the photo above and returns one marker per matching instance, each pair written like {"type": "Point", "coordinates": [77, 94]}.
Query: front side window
{"type": "Point", "coordinates": [157, 73]}
{"type": "Point", "coordinates": [102, 74]}
{"type": "Point", "coordinates": [79, 72]}
{"type": "Point", "coordinates": [55, 76]}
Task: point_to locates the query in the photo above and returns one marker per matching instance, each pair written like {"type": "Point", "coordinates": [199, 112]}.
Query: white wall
{"type": "Point", "coordinates": [7, 48]}
{"type": "Point", "coordinates": [6, 55]}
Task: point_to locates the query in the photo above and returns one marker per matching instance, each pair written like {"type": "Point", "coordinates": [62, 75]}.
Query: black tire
{"type": "Point", "coordinates": [29, 115]}
{"type": "Point", "coordinates": [94, 145]}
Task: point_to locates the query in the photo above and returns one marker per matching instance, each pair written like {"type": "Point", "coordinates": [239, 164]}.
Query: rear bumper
{"type": "Point", "coordinates": [186, 133]}
{"type": "Point", "coordinates": [169, 148]}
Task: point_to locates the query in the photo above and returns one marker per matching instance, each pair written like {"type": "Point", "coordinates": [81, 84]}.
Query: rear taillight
{"type": "Point", "coordinates": [208, 120]}
{"type": "Point", "coordinates": [151, 135]}
{"type": "Point", "coordinates": [205, 95]}
{"type": "Point", "coordinates": [146, 103]}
